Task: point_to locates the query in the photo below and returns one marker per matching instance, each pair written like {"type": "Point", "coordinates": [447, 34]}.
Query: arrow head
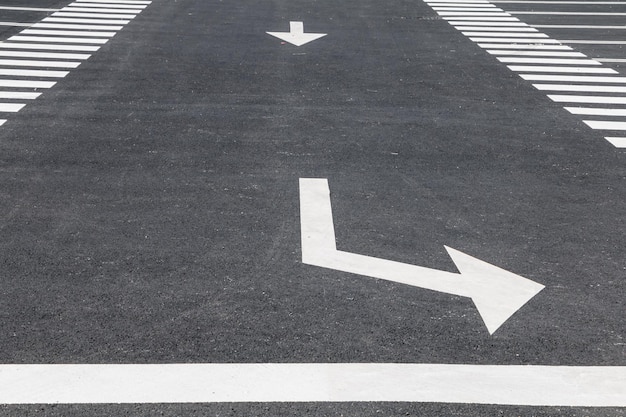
{"type": "Point", "coordinates": [296, 35]}
{"type": "Point", "coordinates": [497, 293]}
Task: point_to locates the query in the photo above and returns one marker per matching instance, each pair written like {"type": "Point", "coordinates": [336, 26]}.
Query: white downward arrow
{"type": "Point", "coordinates": [497, 293]}
{"type": "Point", "coordinates": [296, 35]}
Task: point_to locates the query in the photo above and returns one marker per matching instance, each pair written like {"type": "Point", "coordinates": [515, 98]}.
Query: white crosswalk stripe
{"type": "Point", "coordinates": [512, 41]}
{"type": "Point", "coordinates": [81, 26]}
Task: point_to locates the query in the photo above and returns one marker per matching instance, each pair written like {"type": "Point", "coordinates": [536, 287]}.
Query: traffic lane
{"type": "Point", "coordinates": [177, 218]}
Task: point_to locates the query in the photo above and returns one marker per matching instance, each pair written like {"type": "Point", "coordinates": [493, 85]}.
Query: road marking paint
{"type": "Point", "coordinates": [496, 293]}
{"type": "Point", "coordinates": [495, 29]}
{"type": "Point", "coordinates": [595, 111]}
{"type": "Point", "coordinates": [618, 142]}
{"type": "Point", "coordinates": [520, 385]}
{"type": "Point", "coordinates": [534, 53]}
{"type": "Point", "coordinates": [54, 55]}
{"type": "Point", "coordinates": [33, 73]}
{"type": "Point", "coordinates": [26, 84]}
{"type": "Point", "coordinates": [72, 8]}
{"type": "Point", "coordinates": [480, 6]}
{"type": "Point", "coordinates": [28, 63]}
{"type": "Point", "coordinates": [489, 23]}
{"type": "Point", "coordinates": [68, 33]}
{"type": "Point", "coordinates": [510, 60]}
{"type": "Point", "coordinates": [566, 98]}
{"type": "Point", "coordinates": [15, 24]}
{"type": "Point", "coordinates": [2, 121]}
{"type": "Point", "coordinates": [95, 15]}
{"type": "Point", "coordinates": [503, 14]}
{"type": "Point", "coordinates": [578, 27]}
{"type": "Point", "coordinates": [506, 34]}
{"type": "Point", "coordinates": [116, 2]}
{"type": "Point", "coordinates": [512, 45]}
{"type": "Point", "coordinates": [540, 68]}
{"type": "Point", "coordinates": [77, 20]}
{"type": "Point", "coordinates": [40, 46]}
{"type": "Point", "coordinates": [560, 2]}
{"type": "Point", "coordinates": [615, 60]}
{"type": "Point", "coordinates": [482, 19]}
{"type": "Point", "coordinates": [79, 27]}
{"type": "Point", "coordinates": [567, 13]}
{"type": "Point", "coordinates": [605, 125]}
{"type": "Point", "coordinates": [11, 107]}
{"type": "Point", "coordinates": [527, 46]}
{"type": "Point", "coordinates": [28, 9]}
{"type": "Point", "coordinates": [573, 78]}
{"type": "Point", "coordinates": [461, 9]}
{"type": "Point", "coordinates": [581, 88]}
{"type": "Point", "coordinates": [517, 40]}
{"type": "Point", "coordinates": [18, 95]}
{"type": "Point", "coordinates": [106, 5]}
{"type": "Point", "coordinates": [296, 35]}
{"type": "Point", "coordinates": [593, 42]}
{"type": "Point", "coordinates": [21, 38]}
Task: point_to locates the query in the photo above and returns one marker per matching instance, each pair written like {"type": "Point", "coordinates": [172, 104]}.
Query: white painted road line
{"type": "Point", "coordinates": [106, 5]}
{"type": "Point", "coordinates": [20, 38]}
{"type": "Point", "coordinates": [528, 46]}
{"type": "Point", "coordinates": [587, 99]}
{"type": "Point", "coordinates": [116, 1]}
{"type": "Point", "coordinates": [94, 15]}
{"type": "Point", "coordinates": [11, 107]}
{"type": "Point", "coordinates": [45, 64]}
{"type": "Point", "coordinates": [535, 53]}
{"type": "Point", "coordinates": [26, 84]}
{"type": "Point", "coordinates": [514, 24]}
{"type": "Point", "coordinates": [539, 68]}
{"type": "Point", "coordinates": [496, 293]}
{"type": "Point", "coordinates": [28, 9]}
{"type": "Point", "coordinates": [54, 55]}
{"type": "Point", "coordinates": [556, 386]}
{"type": "Point", "coordinates": [578, 27]}
{"type": "Point", "coordinates": [560, 2]}
{"type": "Point", "coordinates": [18, 95]}
{"type": "Point", "coordinates": [74, 8]}
{"type": "Point", "coordinates": [618, 142]}
{"type": "Point", "coordinates": [33, 73]}
{"type": "Point", "coordinates": [573, 78]}
{"type": "Point", "coordinates": [522, 12]}
{"type": "Point", "coordinates": [581, 88]}
{"type": "Point", "coordinates": [605, 125]}
{"type": "Point", "coordinates": [68, 33]}
{"type": "Point", "coordinates": [517, 40]}
{"type": "Point", "coordinates": [593, 42]}
{"type": "Point", "coordinates": [50, 47]}
{"type": "Point", "coordinates": [495, 29]}
{"type": "Point", "coordinates": [595, 111]}
{"type": "Point", "coordinates": [615, 60]}
{"type": "Point", "coordinates": [78, 27]}
{"type": "Point", "coordinates": [90, 21]}
{"type": "Point", "coordinates": [513, 60]}
{"type": "Point", "coordinates": [15, 24]}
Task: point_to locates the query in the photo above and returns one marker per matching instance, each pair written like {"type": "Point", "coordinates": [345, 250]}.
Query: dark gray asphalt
{"type": "Point", "coordinates": [149, 203]}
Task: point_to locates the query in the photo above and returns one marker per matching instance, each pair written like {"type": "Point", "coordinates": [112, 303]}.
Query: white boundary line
{"type": "Point", "coordinates": [583, 386]}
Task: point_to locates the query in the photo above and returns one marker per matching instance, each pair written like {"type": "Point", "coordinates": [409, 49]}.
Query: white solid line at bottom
{"type": "Point", "coordinates": [618, 142]}
{"type": "Point", "coordinates": [587, 386]}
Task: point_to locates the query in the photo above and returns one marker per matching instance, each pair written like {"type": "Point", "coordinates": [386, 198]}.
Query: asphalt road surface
{"type": "Point", "coordinates": [150, 205]}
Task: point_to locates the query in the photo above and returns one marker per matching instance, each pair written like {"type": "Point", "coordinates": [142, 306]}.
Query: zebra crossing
{"type": "Point", "coordinates": [549, 64]}
{"type": "Point", "coordinates": [34, 59]}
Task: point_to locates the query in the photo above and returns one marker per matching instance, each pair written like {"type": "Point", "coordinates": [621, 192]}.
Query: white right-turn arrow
{"type": "Point", "coordinates": [497, 293]}
{"type": "Point", "coordinates": [296, 35]}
